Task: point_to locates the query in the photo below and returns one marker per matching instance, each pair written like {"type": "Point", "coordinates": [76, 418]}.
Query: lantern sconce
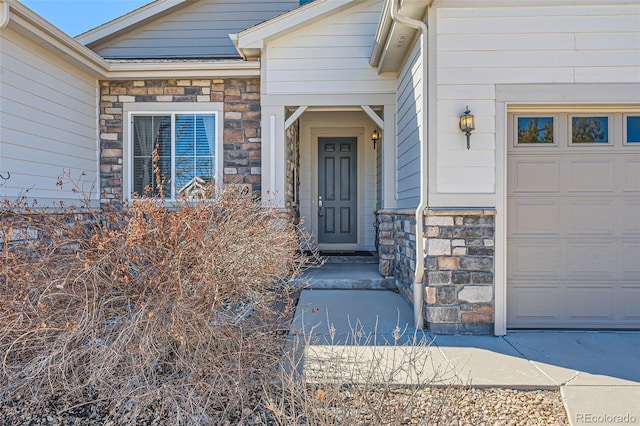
{"type": "Point", "coordinates": [375, 137]}
{"type": "Point", "coordinates": [467, 124]}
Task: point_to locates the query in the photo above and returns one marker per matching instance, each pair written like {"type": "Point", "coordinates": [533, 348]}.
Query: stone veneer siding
{"type": "Point", "coordinates": [396, 246]}
{"type": "Point", "coordinates": [242, 135]}
{"type": "Point", "coordinates": [459, 265]}
{"type": "Point", "coordinates": [293, 175]}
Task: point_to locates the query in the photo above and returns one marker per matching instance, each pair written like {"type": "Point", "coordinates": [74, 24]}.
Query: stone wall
{"type": "Point", "coordinates": [292, 196]}
{"type": "Point", "coordinates": [459, 265]}
{"type": "Point", "coordinates": [396, 246]}
{"type": "Point", "coordinates": [459, 271]}
{"type": "Point", "coordinates": [242, 136]}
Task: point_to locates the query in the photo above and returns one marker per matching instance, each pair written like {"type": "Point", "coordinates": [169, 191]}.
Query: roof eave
{"type": "Point", "coordinates": [246, 54]}
{"type": "Point", "coordinates": [393, 41]}
{"type": "Point", "coordinates": [382, 33]}
{"type": "Point", "coordinates": [23, 20]}
{"type": "Point", "coordinates": [250, 41]}
{"type": "Point", "coordinates": [131, 70]}
{"type": "Point", "coordinates": [135, 18]}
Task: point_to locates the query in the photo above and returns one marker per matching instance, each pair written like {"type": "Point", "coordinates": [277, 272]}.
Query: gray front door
{"type": "Point", "coordinates": [337, 190]}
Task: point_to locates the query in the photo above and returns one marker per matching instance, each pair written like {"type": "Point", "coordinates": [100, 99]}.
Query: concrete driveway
{"type": "Point", "coordinates": [598, 373]}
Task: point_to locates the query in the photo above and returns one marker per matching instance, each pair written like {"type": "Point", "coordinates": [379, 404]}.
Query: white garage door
{"type": "Point", "coordinates": [573, 233]}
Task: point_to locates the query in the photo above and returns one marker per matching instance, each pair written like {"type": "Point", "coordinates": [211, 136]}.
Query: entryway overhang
{"type": "Point", "coordinates": [281, 112]}
{"type": "Point", "coordinates": [301, 109]}
{"type": "Point", "coordinates": [316, 136]}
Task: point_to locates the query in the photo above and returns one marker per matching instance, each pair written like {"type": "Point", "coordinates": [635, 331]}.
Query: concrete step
{"type": "Point", "coordinates": [355, 257]}
{"type": "Point", "coordinates": [345, 276]}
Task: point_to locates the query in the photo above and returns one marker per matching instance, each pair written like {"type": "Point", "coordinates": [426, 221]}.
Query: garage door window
{"type": "Point", "coordinates": [535, 130]}
{"type": "Point", "coordinates": [632, 129]}
{"type": "Point", "coordinates": [590, 129]}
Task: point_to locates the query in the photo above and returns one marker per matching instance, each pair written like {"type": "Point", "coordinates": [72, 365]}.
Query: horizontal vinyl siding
{"type": "Point", "coordinates": [48, 119]}
{"type": "Point", "coordinates": [484, 46]}
{"type": "Point", "coordinates": [409, 123]}
{"type": "Point", "coordinates": [329, 56]}
{"type": "Point", "coordinates": [201, 30]}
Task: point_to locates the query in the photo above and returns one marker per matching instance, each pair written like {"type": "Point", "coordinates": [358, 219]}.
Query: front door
{"type": "Point", "coordinates": [337, 190]}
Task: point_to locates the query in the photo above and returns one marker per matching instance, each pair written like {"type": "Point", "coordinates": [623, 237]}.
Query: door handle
{"type": "Point", "coordinates": [320, 213]}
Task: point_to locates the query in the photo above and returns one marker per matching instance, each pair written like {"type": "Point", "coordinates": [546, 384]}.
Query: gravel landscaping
{"type": "Point", "coordinates": [427, 406]}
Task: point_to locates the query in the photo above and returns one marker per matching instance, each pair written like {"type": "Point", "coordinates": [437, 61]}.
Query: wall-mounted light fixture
{"type": "Point", "coordinates": [467, 124]}
{"type": "Point", "coordinates": [375, 137]}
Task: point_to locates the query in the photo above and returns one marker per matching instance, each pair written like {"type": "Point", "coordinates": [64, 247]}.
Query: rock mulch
{"type": "Point", "coordinates": [488, 407]}
{"type": "Point", "coordinates": [425, 406]}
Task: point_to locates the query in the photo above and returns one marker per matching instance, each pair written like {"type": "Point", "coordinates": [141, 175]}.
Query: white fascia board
{"type": "Point", "coordinates": [529, 3]}
{"type": "Point", "coordinates": [382, 34]}
{"type": "Point", "coordinates": [253, 38]}
{"type": "Point", "coordinates": [5, 14]}
{"type": "Point", "coordinates": [31, 25]}
{"type": "Point", "coordinates": [246, 54]}
{"type": "Point", "coordinates": [42, 32]}
{"type": "Point", "coordinates": [393, 40]}
{"type": "Point", "coordinates": [164, 70]}
{"type": "Point", "coordinates": [130, 19]}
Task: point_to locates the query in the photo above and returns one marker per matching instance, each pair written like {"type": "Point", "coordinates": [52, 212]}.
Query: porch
{"type": "Point", "coordinates": [357, 270]}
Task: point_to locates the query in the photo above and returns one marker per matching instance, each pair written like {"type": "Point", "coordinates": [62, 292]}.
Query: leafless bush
{"type": "Point", "coordinates": [147, 308]}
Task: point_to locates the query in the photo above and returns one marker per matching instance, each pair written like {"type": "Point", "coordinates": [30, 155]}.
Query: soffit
{"type": "Point", "coordinates": [394, 41]}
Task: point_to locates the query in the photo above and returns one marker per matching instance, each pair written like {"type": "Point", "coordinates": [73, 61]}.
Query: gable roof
{"type": "Point", "coordinates": [250, 41]}
{"type": "Point", "coordinates": [124, 23]}
{"type": "Point", "coordinates": [19, 18]}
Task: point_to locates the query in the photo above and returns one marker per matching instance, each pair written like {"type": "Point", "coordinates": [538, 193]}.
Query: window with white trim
{"type": "Point", "coordinates": [590, 129]}
{"type": "Point", "coordinates": [632, 128]}
{"type": "Point", "coordinates": [173, 150]}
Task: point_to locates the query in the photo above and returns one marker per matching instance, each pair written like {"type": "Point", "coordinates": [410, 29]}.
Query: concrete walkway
{"type": "Point", "coordinates": [598, 373]}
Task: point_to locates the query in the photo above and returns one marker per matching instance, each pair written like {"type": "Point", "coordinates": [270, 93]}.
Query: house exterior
{"type": "Point", "coordinates": [535, 225]}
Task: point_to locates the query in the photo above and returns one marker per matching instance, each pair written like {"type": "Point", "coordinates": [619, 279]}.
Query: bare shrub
{"type": "Point", "coordinates": [147, 308]}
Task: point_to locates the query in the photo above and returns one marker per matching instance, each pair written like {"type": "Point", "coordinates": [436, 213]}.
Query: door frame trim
{"type": "Point", "coordinates": [354, 132]}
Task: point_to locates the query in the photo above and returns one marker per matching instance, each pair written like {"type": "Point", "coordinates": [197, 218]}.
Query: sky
{"type": "Point", "coordinates": [77, 16]}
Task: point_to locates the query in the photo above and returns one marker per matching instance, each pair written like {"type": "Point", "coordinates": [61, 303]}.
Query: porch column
{"type": "Point", "coordinates": [273, 156]}
{"type": "Point", "coordinates": [387, 124]}
{"type": "Point", "coordinates": [388, 158]}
